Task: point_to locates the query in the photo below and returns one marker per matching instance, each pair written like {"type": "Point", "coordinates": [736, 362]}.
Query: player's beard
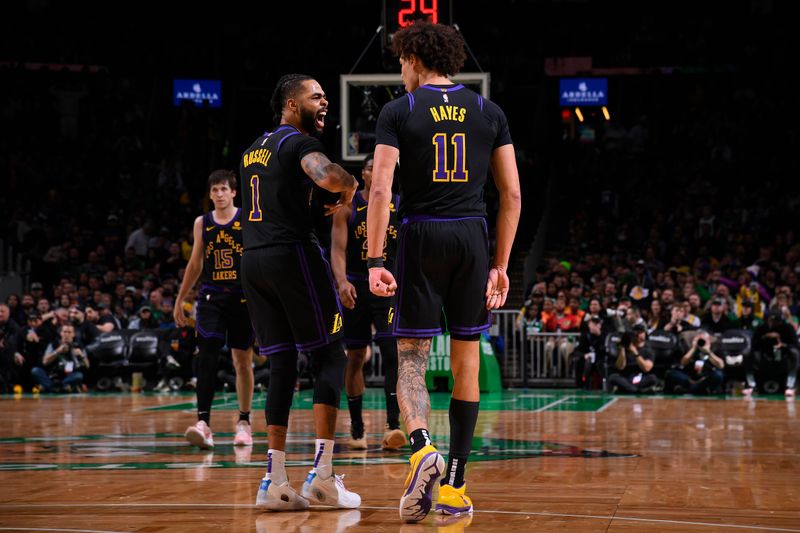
{"type": "Point", "coordinates": [308, 121]}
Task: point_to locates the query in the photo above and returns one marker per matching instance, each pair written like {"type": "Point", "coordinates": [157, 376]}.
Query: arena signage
{"type": "Point", "coordinates": [198, 92]}
{"type": "Point", "coordinates": [583, 91]}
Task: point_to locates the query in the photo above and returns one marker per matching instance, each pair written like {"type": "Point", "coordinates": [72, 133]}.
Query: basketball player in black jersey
{"type": "Point", "coordinates": [222, 316]}
{"type": "Point", "coordinates": [362, 309]}
{"type": "Point", "coordinates": [289, 285]}
{"type": "Point", "coordinates": [447, 137]}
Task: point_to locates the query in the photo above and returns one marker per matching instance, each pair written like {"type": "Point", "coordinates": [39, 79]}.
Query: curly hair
{"type": "Point", "coordinates": [286, 88]}
{"type": "Point", "coordinates": [439, 47]}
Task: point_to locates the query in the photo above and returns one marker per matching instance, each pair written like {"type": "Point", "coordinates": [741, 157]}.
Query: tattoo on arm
{"type": "Point", "coordinates": [412, 394]}
{"type": "Point", "coordinates": [316, 165]}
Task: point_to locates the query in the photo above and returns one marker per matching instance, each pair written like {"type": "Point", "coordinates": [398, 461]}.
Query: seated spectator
{"type": "Point", "coordinates": [774, 341]}
{"type": "Point", "coordinates": [10, 357]}
{"type": "Point", "coordinates": [167, 320]}
{"type": "Point", "coordinates": [676, 323]}
{"type": "Point", "coordinates": [783, 303]}
{"type": "Point", "coordinates": [634, 364]}
{"type": "Point", "coordinates": [700, 370]}
{"type": "Point", "coordinates": [531, 323]}
{"type": "Point", "coordinates": [28, 305]}
{"type": "Point", "coordinates": [748, 320]}
{"type": "Point", "coordinates": [667, 299]}
{"type": "Point", "coordinates": [716, 321]}
{"type": "Point", "coordinates": [633, 318]}
{"type": "Point", "coordinates": [688, 316]}
{"type": "Point", "coordinates": [144, 319]}
{"type": "Point", "coordinates": [61, 364]}
{"type": "Point", "coordinates": [656, 318]}
{"type": "Point", "coordinates": [596, 310]}
{"type": "Point", "coordinates": [106, 321]}
{"type": "Point", "coordinates": [561, 321]}
{"type": "Point", "coordinates": [15, 310]}
{"type": "Point", "coordinates": [37, 292]}
{"type": "Point", "coordinates": [696, 304]}
{"type": "Point", "coordinates": [575, 309]}
{"type": "Point", "coordinates": [590, 353]}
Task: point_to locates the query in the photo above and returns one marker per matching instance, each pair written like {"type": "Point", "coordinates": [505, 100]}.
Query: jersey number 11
{"type": "Point", "coordinates": [443, 172]}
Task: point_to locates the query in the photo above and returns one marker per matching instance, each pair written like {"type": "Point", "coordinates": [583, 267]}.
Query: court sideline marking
{"type": "Point", "coordinates": [367, 507]}
{"type": "Point", "coordinates": [551, 404]}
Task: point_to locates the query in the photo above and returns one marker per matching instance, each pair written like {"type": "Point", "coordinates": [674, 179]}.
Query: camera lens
{"type": "Point", "coordinates": [701, 342]}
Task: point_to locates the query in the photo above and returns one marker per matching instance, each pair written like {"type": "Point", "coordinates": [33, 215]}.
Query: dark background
{"type": "Point", "coordinates": [709, 74]}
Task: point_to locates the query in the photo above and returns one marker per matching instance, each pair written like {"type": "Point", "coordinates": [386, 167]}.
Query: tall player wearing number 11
{"type": "Point", "coordinates": [447, 137]}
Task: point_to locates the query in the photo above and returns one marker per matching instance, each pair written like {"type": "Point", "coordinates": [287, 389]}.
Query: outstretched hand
{"type": "Point", "coordinates": [496, 289]}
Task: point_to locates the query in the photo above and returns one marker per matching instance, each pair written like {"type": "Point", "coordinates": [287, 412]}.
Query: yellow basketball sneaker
{"type": "Point", "coordinates": [453, 501]}
{"type": "Point", "coordinates": [427, 467]}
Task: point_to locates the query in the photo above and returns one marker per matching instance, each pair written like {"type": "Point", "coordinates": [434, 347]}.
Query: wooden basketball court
{"type": "Point", "coordinates": [543, 460]}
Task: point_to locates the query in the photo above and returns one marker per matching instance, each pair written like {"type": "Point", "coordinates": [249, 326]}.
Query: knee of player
{"type": "Point", "coordinates": [328, 367]}
{"type": "Point", "coordinates": [356, 356]}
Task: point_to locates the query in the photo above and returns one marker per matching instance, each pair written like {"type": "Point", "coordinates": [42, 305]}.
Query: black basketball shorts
{"type": "Point", "coordinates": [369, 310]}
{"type": "Point", "coordinates": [442, 266]}
{"type": "Point", "coordinates": [223, 315]}
{"type": "Point", "coordinates": [291, 297]}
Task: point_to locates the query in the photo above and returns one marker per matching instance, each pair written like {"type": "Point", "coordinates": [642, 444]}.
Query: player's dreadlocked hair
{"type": "Point", "coordinates": [286, 88]}
{"type": "Point", "coordinates": [439, 47]}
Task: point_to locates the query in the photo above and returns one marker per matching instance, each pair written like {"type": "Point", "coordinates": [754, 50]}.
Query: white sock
{"type": "Point", "coordinates": [323, 459]}
{"type": "Point", "coordinates": [276, 467]}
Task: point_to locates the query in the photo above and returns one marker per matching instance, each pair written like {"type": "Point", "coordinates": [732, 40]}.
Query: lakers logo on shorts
{"type": "Point", "coordinates": [390, 315]}
{"type": "Point", "coordinates": [337, 323]}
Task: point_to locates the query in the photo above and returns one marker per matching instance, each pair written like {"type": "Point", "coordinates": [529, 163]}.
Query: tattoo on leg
{"type": "Point", "coordinates": [412, 394]}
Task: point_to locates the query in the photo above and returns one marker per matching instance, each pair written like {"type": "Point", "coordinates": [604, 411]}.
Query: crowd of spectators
{"type": "Point", "coordinates": [678, 208]}
{"type": "Point", "coordinates": [679, 221]}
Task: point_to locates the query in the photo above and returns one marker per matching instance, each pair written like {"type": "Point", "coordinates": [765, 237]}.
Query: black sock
{"type": "Point", "coordinates": [419, 439]}
{"type": "Point", "coordinates": [354, 403]}
{"type": "Point", "coordinates": [388, 346]}
{"type": "Point", "coordinates": [207, 359]}
{"type": "Point", "coordinates": [244, 416]}
{"type": "Point", "coordinates": [463, 416]}
{"type": "Point", "coordinates": [392, 412]}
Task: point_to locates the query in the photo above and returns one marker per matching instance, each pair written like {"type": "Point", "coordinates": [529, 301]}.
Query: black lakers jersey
{"type": "Point", "coordinates": [276, 192]}
{"type": "Point", "coordinates": [357, 237]}
{"type": "Point", "coordinates": [222, 252]}
{"type": "Point", "coordinates": [446, 135]}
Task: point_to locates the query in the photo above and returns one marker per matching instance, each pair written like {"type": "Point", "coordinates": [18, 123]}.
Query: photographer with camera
{"type": "Point", "coordinates": [700, 370]}
{"type": "Point", "coordinates": [634, 364]}
{"type": "Point", "coordinates": [61, 363]}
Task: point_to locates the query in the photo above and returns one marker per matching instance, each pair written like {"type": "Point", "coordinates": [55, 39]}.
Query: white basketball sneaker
{"type": "Point", "coordinates": [200, 435]}
{"type": "Point", "coordinates": [279, 496]}
{"type": "Point", "coordinates": [244, 434]}
{"type": "Point", "coordinates": [330, 491]}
